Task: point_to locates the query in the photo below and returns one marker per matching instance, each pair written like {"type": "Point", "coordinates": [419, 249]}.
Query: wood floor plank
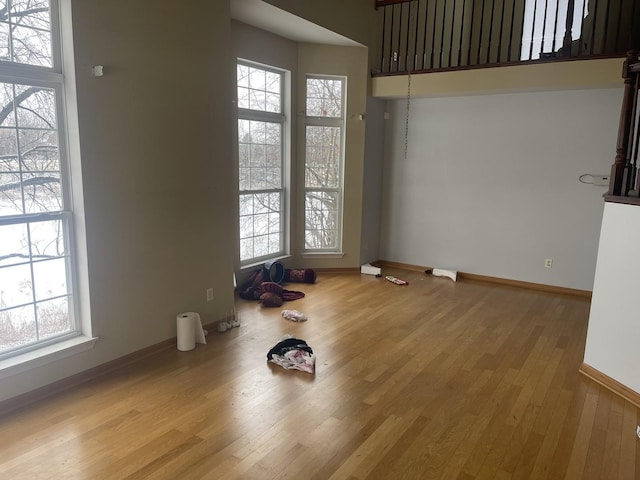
{"type": "Point", "coordinates": [613, 440]}
{"type": "Point", "coordinates": [593, 465]}
{"type": "Point", "coordinates": [628, 449]}
{"type": "Point", "coordinates": [434, 380]}
{"type": "Point", "coordinates": [542, 466]}
{"type": "Point", "coordinates": [578, 457]}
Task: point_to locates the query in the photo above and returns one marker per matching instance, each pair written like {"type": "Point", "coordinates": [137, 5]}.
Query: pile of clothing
{"type": "Point", "coordinates": [263, 284]}
{"type": "Point", "coordinates": [293, 354]}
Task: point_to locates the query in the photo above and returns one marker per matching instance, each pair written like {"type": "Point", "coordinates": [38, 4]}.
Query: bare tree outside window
{"type": "Point", "coordinates": [25, 32]}
{"type": "Point", "coordinates": [324, 162]}
{"type": "Point", "coordinates": [35, 291]}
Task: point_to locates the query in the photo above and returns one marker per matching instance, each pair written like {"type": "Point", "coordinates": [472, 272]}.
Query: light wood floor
{"type": "Point", "coordinates": [433, 380]}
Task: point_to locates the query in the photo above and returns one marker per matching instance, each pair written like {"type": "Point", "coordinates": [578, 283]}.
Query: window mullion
{"type": "Point", "coordinates": [324, 121]}
{"type": "Point", "coordinates": [246, 114]}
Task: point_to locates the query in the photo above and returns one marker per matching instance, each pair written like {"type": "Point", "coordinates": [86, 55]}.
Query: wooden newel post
{"type": "Point", "coordinates": [620, 170]}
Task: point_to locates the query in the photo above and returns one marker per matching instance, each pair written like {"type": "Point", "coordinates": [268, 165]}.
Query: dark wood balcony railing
{"type": "Point", "coordinates": [624, 182]}
{"type": "Point", "coordinates": [431, 35]}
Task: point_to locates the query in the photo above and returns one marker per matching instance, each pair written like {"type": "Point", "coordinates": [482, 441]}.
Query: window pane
{"type": "Point", "coordinates": [274, 243]}
{"type": "Point", "coordinates": [9, 150]}
{"type": "Point", "coordinates": [273, 82]}
{"type": "Point", "coordinates": [15, 286]}
{"type": "Point", "coordinates": [321, 220]}
{"type": "Point", "coordinates": [47, 239]}
{"type": "Point", "coordinates": [42, 192]}
{"type": "Point", "coordinates": [10, 194]}
{"type": "Point", "coordinates": [31, 46]}
{"type": "Point", "coordinates": [273, 157]}
{"type": "Point", "coordinates": [273, 132]}
{"type": "Point", "coordinates": [39, 150]}
{"type": "Point", "coordinates": [31, 13]}
{"type": "Point", "coordinates": [259, 89]}
{"type": "Point", "coordinates": [274, 222]}
{"type": "Point", "coordinates": [246, 248]}
{"type": "Point", "coordinates": [244, 175]}
{"type": "Point", "coordinates": [243, 131]}
{"type": "Point", "coordinates": [272, 102]}
{"type": "Point", "coordinates": [257, 100]}
{"type": "Point", "coordinates": [17, 326]}
{"type": "Point", "coordinates": [30, 22]}
{"type": "Point", "coordinates": [258, 132]}
{"type": "Point", "coordinates": [50, 278]}
{"type": "Point", "coordinates": [259, 155]}
{"type": "Point", "coordinates": [53, 317]}
{"type": "Point", "coordinates": [242, 74]}
{"type": "Point", "coordinates": [246, 226]}
{"type": "Point", "coordinates": [272, 178]}
{"type": "Point", "coordinates": [36, 107]}
{"type": "Point", "coordinates": [4, 42]}
{"type": "Point", "coordinates": [324, 97]}
{"type": "Point", "coordinates": [8, 116]}
{"type": "Point", "coordinates": [243, 97]}
{"type": "Point", "coordinates": [261, 203]}
{"type": "Point", "coordinates": [13, 247]}
{"type": "Point", "coordinates": [243, 155]}
{"type": "Point", "coordinates": [261, 224]}
{"type": "Point", "coordinates": [258, 222]}
{"type": "Point", "coordinates": [257, 79]}
{"type": "Point", "coordinates": [323, 157]}
{"type": "Point", "coordinates": [246, 204]}
{"type": "Point", "coordinates": [261, 246]}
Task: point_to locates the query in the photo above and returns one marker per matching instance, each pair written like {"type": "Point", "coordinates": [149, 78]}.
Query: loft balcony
{"type": "Point", "coordinates": [421, 36]}
{"type": "Point", "coordinates": [540, 44]}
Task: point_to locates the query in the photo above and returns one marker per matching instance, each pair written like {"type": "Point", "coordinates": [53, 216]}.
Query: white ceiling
{"type": "Point", "coordinates": [267, 17]}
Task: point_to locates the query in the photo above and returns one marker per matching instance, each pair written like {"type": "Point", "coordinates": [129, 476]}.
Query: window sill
{"type": "Point", "coordinates": [42, 356]}
{"type": "Point", "coordinates": [253, 266]}
{"type": "Point", "coordinates": [323, 255]}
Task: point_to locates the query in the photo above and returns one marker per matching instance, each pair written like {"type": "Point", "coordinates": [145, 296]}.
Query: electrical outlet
{"type": "Point", "coordinates": [548, 263]}
{"type": "Point", "coordinates": [638, 431]}
{"type": "Point", "coordinates": [209, 294]}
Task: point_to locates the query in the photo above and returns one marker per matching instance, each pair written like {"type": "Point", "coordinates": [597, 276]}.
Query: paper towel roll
{"type": "Point", "coordinates": [190, 331]}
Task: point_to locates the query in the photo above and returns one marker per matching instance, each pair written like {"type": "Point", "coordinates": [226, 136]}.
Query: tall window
{"type": "Point", "coordinates": [36, 299]}
{"type": "Point", "coordinates": [324, 159]}
{"type": "Point", "coordinates": [261, 140]}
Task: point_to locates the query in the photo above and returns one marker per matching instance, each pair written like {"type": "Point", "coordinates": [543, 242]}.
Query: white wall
{"type": "Point", "coordinates": [490, 184]}
{"type": "Point", "coordinates": [372, 181]}
{"type": "Point", "coordinates": [614, 330]}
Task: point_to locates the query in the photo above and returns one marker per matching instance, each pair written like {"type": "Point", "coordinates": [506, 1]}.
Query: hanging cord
{"type": "Point", "coordinates": [406, 120]}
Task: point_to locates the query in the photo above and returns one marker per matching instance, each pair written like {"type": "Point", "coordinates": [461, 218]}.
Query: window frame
{"type": "Point", "coordinates": [337, 122]}
{"type": "Point", "coordinates": [282, 119]}
{"type": "Point", "coordinates": [52, 78]}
